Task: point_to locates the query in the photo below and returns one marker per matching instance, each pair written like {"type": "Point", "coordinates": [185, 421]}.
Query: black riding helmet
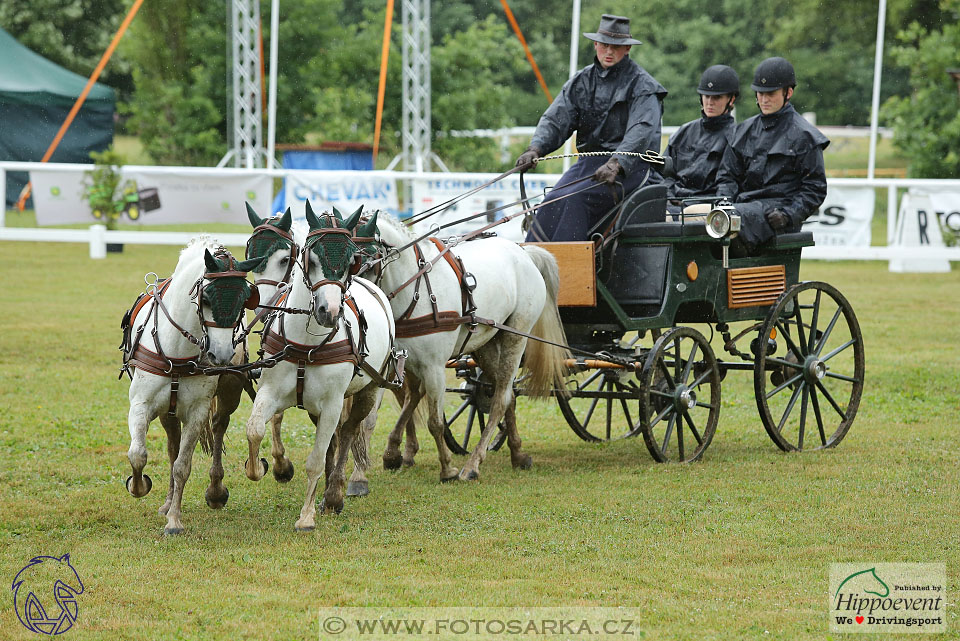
{"type": "Point", "coordinates": [772, 74]}
{"type": "Point", "coordinates": [719, 80]}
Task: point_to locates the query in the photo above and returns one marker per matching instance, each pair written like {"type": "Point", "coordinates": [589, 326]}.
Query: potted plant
{"type": "Point", "coordinates": [103, 190]}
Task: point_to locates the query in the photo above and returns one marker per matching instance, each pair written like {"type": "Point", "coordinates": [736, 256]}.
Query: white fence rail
{"type": "Point", "coordinates": [97, 236]}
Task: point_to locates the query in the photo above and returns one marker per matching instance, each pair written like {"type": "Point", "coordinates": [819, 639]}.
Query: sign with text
{"type": "Point", "coordinates": [924, 217]}
{"type": "Point", "coordinates": [345, 190]}
{"type": "Point", "coordinates": [844, 217]}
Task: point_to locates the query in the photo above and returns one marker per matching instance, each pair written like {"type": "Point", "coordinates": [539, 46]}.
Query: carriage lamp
{"type": "Point", "coordinates": [723, 222]}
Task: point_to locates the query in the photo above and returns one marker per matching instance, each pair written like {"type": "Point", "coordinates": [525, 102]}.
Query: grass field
{"type": "Point", "coordinates": [738, 546]}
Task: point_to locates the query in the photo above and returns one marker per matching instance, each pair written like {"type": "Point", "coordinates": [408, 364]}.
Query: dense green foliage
{"type": "Point", "coordinates": [172, 68]}
{"type": "Point", "coordinates": [927, 122]}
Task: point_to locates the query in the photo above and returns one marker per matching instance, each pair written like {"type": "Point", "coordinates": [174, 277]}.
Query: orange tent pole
{"type": "Point", "coordinates": [381, 89]}
{"type": "Point", "coordinates": [533, 63]}
{"type": "Point", "coordinates": [83, 94]}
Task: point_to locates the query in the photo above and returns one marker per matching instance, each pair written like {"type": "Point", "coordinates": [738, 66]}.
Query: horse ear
{"type": "Point", "coordinates": [369, 228]}
{"type": "Point", "coordinates": [337, 215]}
{"type": "Point", "coordinates": [312, 219]}
{"type": "Point", "coordinates": [255, 220]}
{"type": "Point", "coordinates": [247, 265]}
{"type": "Point", "coordinates": [286, 220]}
{"type": "Point", "coordinates": [210, 261]}
{"type": "Point", "coordinates": [351, 222]}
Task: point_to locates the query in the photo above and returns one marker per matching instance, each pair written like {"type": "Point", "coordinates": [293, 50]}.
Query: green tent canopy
{"type": "Point", "coordinates": [35, 97]}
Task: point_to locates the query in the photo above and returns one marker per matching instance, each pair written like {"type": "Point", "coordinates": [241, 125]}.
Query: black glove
{"type": "Point", "coordinates": [525, 161]}
{"type": "Point", "coordinates": [608, 172]}
{"type": "Point", "coordinates": [777, 219]}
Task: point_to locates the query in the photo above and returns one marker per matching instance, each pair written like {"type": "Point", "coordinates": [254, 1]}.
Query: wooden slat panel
{"type": "Point", "coordinates": [755, 286]}
{"type": "Point", "coordinates": [578, 275]}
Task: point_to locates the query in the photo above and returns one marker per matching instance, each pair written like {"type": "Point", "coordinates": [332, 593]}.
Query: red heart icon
{"type": "Point", "coordinates": [859, 619]}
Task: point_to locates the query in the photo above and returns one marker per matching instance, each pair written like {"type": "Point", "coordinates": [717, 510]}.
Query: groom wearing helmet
{"type": "Point", "coordinates": [698, 146]}
{"type": "Point", "coordinates": [773, 169]}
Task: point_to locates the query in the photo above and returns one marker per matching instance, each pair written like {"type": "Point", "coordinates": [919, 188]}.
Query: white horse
{"type": "Point", "coordinates": [314, 373]}
{"type": "Point", "coordinates": [185, 325]}
{"type": "Point", "coordinates": [516, 287]}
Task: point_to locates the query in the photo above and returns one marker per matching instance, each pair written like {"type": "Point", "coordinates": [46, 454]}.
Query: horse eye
{"type": "Point", "coordinates": [284, 261]}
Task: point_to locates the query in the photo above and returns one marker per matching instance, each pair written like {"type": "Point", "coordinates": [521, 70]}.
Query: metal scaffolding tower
{"type": "Point", "coordinates": [416, 153]}
{"type": "Point", "coordinates": [245, 116]}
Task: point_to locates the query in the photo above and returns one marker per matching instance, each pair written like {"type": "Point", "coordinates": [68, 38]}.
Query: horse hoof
{"type": "Point", "coordinates": [147, 481]}
{"type": "Point", "coordinates": [172, 531]}
{"type": "Point", "coordinates": [408, 462]}
{"type": "Point", "coordinates": [392, 462]}
{"type": "Point", "coordinates": [524, 463]}
{"type": "Point", "coordinates": [215, 500]}
{"type": "Point", "coordinates": [264, 465]}
{"type": "Point", "coordinates": [472, 475]}
{"type": "Point", "coordinates": [358, 488]}
{"type": "Point", "coordinates": [309, 528]}
{"type": "Point", "coordinates": [450, 479]}
{"type": "Point", "coordinates": [283, 477]}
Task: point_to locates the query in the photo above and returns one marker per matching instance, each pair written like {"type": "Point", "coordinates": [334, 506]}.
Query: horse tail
{"type": "Point", "coordinates": [206, 434]}
{"type": "Point", "coordinates": [360, 447]}
{"type": "Point", "coordinates": [546, 363]}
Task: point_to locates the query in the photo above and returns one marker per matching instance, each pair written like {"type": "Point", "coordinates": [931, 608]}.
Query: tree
{"type": "Point", "coordinates": [927, 123]}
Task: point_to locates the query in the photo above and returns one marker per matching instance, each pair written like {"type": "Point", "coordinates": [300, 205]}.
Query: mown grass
{"type": "Point", "coordinates": [737, 546]}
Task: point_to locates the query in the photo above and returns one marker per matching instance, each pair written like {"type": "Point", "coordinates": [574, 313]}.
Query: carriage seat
{"type": "Point", "coordinates": [795, 239]}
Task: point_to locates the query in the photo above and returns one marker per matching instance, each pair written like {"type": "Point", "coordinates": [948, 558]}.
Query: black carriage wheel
{"type": "Point", "coordinates": [808, 390]}
{"type": "Point", "coordinates": [604, 404]}
{"type": "Point", "coordinates": [681, 396]}
{"type": "Point", "coordinates": [464, 415]}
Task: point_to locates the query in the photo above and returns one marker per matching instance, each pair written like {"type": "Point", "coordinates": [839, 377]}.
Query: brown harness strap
{"type": "Point", "coordinates": [325, 353]}
{"type": "Point", "coordinates": [172, 368]}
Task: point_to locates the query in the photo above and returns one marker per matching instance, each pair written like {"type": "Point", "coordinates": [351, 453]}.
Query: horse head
{"type": "Point", "coordinates": [223, 294]}
{"type": "Point", "coordinates": [273, 243]}
{"type": "Point", "coordinates": [326, 259]}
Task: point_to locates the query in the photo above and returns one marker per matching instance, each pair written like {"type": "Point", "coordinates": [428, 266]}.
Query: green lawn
{"type": "Point", "coordinates": [738, 546]}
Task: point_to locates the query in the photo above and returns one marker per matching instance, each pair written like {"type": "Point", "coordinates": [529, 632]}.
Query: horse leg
{"type": "Point", "coordinates": [282, 466]}
{"type": "Point", "coordinates": [435, 385]}
{"type": "Point", "coordinates": [264, 405]}
{"type": "Point", "coordinates": [358, 484]}
{"type": "Point", "coordinates": [171, 424]}
{"type": "Point", "coordinates": [138, 421]}
{"type": "Point", "coordinates": [181, 471]}
{"type": "Point", "coordinates": [392, 459]}
{"type": "Point", "coordinates": [364, 402]}
{"type": "Point", "coordinates": [412, 446]}
{"type": "Point", "coordinates": [519, 460]}
{"type": "Point", "coordinates": [315, 467]}
{"type": "Point", "coordinates": [224, 404]}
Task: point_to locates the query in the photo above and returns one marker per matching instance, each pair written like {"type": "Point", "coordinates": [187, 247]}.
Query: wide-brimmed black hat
{"type": "Point", "coordinates": [614, 30]}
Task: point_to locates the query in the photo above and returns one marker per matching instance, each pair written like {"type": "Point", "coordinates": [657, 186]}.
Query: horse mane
{"type": "Point", "coordinates": [191, 262]}
{"type": "Point", "coordinates": [392, 231]}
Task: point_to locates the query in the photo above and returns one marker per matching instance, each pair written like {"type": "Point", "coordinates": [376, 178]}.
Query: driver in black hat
{"type": "Point", "coordinates": [614, 106]}
{"type": "Point", "coordinates": [773, 169]}
{"type": "Point", "coordinates": [698, 146]}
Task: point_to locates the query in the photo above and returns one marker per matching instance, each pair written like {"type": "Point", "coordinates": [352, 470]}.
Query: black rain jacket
{"type": "Point", "coordinates": [697, 149]}
{"type": "Point", "coordinates": [774, 162]}
{"type": "Point", "coordinates": [615, 109]}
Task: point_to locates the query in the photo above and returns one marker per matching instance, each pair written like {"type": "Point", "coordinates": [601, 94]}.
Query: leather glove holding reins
{"type": "Point", "coordinates": [777, 219]}
{"type": "Point", "coordinates": [608, 172]}
{"type": "Point", "coordinates": [525, 161]}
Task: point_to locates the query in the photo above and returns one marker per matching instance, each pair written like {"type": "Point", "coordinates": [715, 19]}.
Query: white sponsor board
{"type": "Point", "coordinates": [156, 199]}
{"type": "Point", "coordinates": [922, 211]}
{"type": "Point", "coordinates": [431, 192]}
{"type": "Point", "coordinates": [345, 190]}
{"type": "Point", "coordinates": [844, 217]}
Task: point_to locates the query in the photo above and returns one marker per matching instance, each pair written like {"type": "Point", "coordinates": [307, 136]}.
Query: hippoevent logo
{"type": "Point", "coordinates": [887, 597]}
{"type": "Point", "coordinates": [45, 594]}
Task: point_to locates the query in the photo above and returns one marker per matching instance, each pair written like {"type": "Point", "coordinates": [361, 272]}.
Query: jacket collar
{"type": "Point", "coordinates": [771, 120]}
{"type": "Point", "coordinates": [610, 71]}
{"type": "Point", "coordinates": [713, 123]}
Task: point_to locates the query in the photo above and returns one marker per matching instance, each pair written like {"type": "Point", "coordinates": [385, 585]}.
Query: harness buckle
{"type": "Point", "coordinates": [469, 282]}
{"type": "Point", "coordinates": [433, 298]}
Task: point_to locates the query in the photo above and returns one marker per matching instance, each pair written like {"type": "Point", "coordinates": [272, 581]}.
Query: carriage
{"type": "Point", "coordinates": [632, 303]}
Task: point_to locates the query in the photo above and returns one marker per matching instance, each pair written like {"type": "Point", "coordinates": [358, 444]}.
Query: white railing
{"type": "Point", "coordinates": [97, 236]}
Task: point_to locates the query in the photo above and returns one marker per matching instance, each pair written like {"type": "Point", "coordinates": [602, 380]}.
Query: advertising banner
{"type": "Point", "coordinates": [925, 216]}
{"type": "Point", "coordinates": [345, 190]}
{"type": "Point", "coordinates": [155, 198]}
{"type": "Point", "coordinates": [844, 217]}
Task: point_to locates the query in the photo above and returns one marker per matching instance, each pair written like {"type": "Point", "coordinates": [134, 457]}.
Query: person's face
{"type": "Point", "coordinates": [716, 105]}
{"type": "Point", "coordinates": [609, 55]}
{"type": "Point", "coordinates": [773, 101]}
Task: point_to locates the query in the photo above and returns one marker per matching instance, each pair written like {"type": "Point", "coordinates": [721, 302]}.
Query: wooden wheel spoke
{"type": "Point", "coordinates": [659, 417]}
{"type": "Point", "coordinates": [689, 366]}
{"type": "Point", "coordinates": [706, 405]}
{"type": "Point", "coordinates": [693, 428]}
{"type": "Point", "coordinates": [784, 385]}
{"type": "Point", "coordinates": [593, 406]}
{"type": "Point", "coordinates": [826, 395]}
{"type": "Point", "coordinates": [842, 377]}
{"type": "Point", "coordinates": [839, 349]}
{"type": "Point", "coordinates": [786, 412]}
{"type": "Point", "coordinates": [700, 380]}
{"type": "Point", "coordinates": [803, 416]}
{"type": "Point", "coordinates": [790, 344]}
{"type": "Point", "coordinates": [456, 415]}
{"type": "Point", "coordinates": [676, 359]}
{"type": "Point", "coordinates": [785, 363]}
{"type": "Point", "coordinates": [661, 393]}
{"type": "Point", "coordinates": [466, 432]}
{"type": "Point", "coordinates": [680, 435]}
{"type": "Point", "coordinates": [590, 379]}
{"type": "Point", "coordinates": [828, 330]}
{"type": "Point", "coordinates": [813, 322]}
{"type": "Point", "coordinates": [623, 405]}
{"type": "Point", "coordinates": [816, 413]}
{"type": "Point", "coordinates": [666, 373]}
{"type": "Point", "coordinates": [609, 411]}
{"type": "Point", "coordinates": [667, 433]}
{"type": "Point", "coordinates": [796, 314]}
